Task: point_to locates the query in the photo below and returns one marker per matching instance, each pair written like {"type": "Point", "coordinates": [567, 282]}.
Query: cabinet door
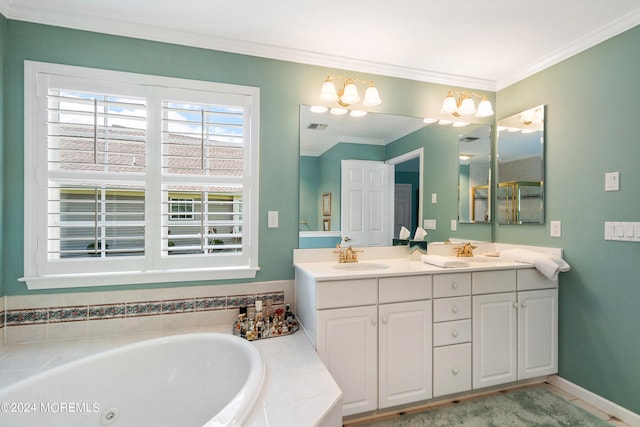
{"type": "Point", "coordinates": [537, 332]}
{"type": "Point", "coordinates": [451, 369]}
{"type": "Point", "coordinates": [405, 353]}
{"type": "Point", "coordinates": [348, 346]}
{"type": "Point", "coordinates": [494, 339]}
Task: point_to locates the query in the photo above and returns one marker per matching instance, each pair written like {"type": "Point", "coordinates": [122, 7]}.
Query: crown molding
{"type": "Point", "coordinates": [595, 37]}
{"type": "Point", "coordinates": [186, 38]}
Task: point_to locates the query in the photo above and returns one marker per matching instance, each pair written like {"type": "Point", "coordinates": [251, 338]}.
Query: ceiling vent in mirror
{"type": "Point", "coordinates": [317, 126]}
{"type": "Point", "coordinates": [469, 139]}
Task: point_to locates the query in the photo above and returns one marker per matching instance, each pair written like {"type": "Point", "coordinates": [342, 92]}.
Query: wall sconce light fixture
{"type": "Point", "coordinates": [348, 93]}
{"type": "Point", "coordinates": [461, 104]}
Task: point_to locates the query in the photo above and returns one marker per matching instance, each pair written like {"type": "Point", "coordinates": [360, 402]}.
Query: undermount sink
{"type": "Point", "coordinates": [483, 258]}
{"type": "Point", "coordinates": [361, 266]}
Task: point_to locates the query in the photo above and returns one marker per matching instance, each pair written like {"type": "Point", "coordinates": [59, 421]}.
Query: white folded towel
{"type": "Point", "coordinates": [404, 233]}
{"type": "Point", "coordinates": [546, 264]}
{"type": "Point", "coordinates": [444, 261]}
{"type": "Point", "coordinates": [420, 234]}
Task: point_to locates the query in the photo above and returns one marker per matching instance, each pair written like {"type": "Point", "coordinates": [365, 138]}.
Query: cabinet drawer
{"type": "Point", "coordinates": [451, 285]}
{"type": "Point", "coordinates": [446, 309]}
{"type": "Point", "coordinates": [531, 279]}
{"type": "Point", "coordinates": [491, 282]}
{"type": "Point", "coordinates": [447, 333]}
{"type": "Point", "coordinates": [408, 288]}
{"type": "Point", "coordinates": [451, 369]}
{"type": "Point", "coordinates": [347, 293]}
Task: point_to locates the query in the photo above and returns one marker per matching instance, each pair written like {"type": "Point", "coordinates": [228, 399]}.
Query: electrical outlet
{"type": "Point", "coordinates": [556, 229]}
{"type": "Point", "coordinates": [454, 225]}
{"type": "Point", "coordinates": [434, 198]}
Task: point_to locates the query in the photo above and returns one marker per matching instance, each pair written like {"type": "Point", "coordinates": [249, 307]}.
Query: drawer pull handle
{"type": "Point", "coordinates": [454, 309]}
{"type": "Point", "coordinates": [455, 333]}
{"type": "Point", "coordinates": [454, 371]}
{"type": "Point", "coordinates": [454, 285]}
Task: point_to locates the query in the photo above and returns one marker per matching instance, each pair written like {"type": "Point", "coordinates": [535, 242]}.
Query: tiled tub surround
{"type": "Point", "coordinates": [55, 317]}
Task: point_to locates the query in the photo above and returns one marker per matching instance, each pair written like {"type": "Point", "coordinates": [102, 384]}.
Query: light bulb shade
{"type": "Point", "coordinates": [449, 105]}
{"type": "Point", "coordinates": [357, 113]}
{"type": "Point", "coordinates": [328, 92]}
{"type": "Point", "coordinates": [338, 111]}
{"type": "Point", "coordinates": [371, 97]}
{"type": "Point", "coordinates": [350, 94]}
{"type": "Point", "coordinates": [467, 107]}
{"type": "Point", "coordinates": [319, 109]}
{"type": "Point", "coordinates": [484, 108]}
{"type": "Point", "coordinates": [459, 124]}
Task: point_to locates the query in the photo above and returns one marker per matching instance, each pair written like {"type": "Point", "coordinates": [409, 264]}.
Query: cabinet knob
{"type": "Point", "coordinates": [384, 320]}
{"type": "Point", "coordinates": [455, 333]}
{"type": "Point", "coordinates": [374, 321]}
{"type": "Point", "coordinates": [523, 305]}
{"type": "Point", "coordinates": [515, 304]}
{"type": "Point", "coordinates": [454, 285]}
{"type": "Point", "coordinates": [454, 371]}
{"type": "Point", "coordinates": [454, 309]}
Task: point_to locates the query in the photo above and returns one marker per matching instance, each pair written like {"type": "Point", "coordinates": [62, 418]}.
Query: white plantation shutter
{"type": "Point", "coordinates": [203, 147]}
{"type": "Point", "coordinates": [128, 173]}
{"type": "Point", "coordinates": [95, 142]}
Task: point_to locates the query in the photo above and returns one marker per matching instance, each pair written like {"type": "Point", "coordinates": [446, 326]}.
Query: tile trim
{"type": "Point", "coordinates": [96, 312]}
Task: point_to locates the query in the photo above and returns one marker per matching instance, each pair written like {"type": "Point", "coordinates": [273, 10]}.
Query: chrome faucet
{"type": "Point", "coordinates": [348, 255]}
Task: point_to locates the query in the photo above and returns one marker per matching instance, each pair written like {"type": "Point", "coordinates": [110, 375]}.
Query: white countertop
{"type": "Point", "coordinates": [332, 270]}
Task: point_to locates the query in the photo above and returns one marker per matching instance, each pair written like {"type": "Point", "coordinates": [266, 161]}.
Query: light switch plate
{"type": "Point", "coordinates": [434, 198]}
{"type": "Point", "coordinates": [272, 221]}
{"type": "Point", "coordinates": [454, 225]}
{"type": "Point", "coordinates": [556, 229]}
{"type": "Point", "coordinates": [612, 181]}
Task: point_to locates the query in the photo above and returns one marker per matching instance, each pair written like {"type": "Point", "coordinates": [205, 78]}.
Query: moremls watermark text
{"type": "Point", "coordinates": [50, 407]}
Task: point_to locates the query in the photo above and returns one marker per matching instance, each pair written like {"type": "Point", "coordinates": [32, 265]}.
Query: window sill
{"type": "Point", "coordinates": [137, 277]}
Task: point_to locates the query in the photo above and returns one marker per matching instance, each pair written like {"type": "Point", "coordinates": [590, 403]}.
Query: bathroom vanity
{"type": "Point", "coordinates": [394, 331]}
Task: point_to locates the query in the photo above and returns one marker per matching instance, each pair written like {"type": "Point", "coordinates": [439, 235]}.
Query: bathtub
{"type": "Point", "coordinates": [202, 379]}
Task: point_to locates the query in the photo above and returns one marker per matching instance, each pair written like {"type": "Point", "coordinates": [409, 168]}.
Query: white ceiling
{"type": "Point", "coordinates": [486, 44]}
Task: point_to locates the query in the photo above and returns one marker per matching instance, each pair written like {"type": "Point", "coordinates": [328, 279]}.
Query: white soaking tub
{"type": "Point", "coordinates": [202, 379]}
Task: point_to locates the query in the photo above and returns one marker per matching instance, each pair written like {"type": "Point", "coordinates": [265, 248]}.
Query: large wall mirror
{"type": "Point", "coordinates": [474, 175]}
{"type": "Point", "coordinates": [326, 140]}
{"type": "Point", "coordinates": [520, 175]}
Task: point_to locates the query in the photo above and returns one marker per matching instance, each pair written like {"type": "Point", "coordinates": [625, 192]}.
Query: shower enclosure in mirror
{"type": "Point", "coordinates": [474, 175]}
{"type": "Point", "coordinates": [520, 174]}
{"type": "Point", "coordinates": [325, 141]}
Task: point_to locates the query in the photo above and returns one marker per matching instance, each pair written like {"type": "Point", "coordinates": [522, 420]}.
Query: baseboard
{"type": "Point", "coordinates": [628, 417]}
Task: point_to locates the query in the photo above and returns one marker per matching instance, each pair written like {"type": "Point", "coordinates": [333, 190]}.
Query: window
{"type": "Point", "coordinates": [141, 178]}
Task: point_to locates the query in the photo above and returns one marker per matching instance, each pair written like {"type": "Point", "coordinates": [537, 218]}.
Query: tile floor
{"type": "Point", "coordinates": [354, 422]}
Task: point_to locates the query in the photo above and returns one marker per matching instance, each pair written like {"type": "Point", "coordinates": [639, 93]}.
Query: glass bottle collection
{"type": "Point", "coordinates": [262, 321]}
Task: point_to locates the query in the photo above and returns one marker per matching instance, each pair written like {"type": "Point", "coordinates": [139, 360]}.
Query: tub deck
{"type": "Point", "coordinates": [298, 389]}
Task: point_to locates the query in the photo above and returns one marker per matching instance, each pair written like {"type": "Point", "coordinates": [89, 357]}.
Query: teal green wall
{"type": "Point", "coordinates": [284, 87]}
{"type": "Point", "coordinates": [309, 195]}
{"type": "Point", "coordinates": [593, 106]}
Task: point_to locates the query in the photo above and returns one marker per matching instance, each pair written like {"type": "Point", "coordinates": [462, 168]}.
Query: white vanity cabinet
{"type": "Point", "coordinates": [374, 336]}
{"type": "Point", "coordinates": [515, 320]}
